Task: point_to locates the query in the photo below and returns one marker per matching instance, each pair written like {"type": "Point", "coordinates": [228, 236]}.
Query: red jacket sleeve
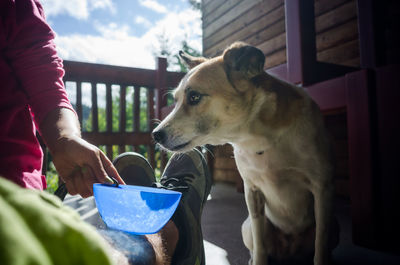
{"type": "Point", "coordinates": [32, 54]}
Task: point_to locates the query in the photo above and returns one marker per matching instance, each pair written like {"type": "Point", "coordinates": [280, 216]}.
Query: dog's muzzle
{"type": "Point", "coordinates": [159, 136]}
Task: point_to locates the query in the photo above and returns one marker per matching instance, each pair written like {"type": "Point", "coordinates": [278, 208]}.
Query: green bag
{"type": "Point", "coordinates": [36, 228]}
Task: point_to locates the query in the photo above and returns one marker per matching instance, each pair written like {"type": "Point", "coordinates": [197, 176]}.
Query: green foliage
{"type": "Point", "coordinates": [87, 119]}
{"type": "Point", "coordinates": [189, 50]}
{"type": "Point", "coordinates": [51, 178]}
{"type": "Point", "coordinates": [196, 4]}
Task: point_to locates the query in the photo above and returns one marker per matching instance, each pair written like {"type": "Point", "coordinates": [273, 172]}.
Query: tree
{"type": "Point", "coordinates": [189, 50]}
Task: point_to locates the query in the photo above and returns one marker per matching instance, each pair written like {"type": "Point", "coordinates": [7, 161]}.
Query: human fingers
{"type": "Point", "coordinates": [95, 163]}
{"type": "Point", "coordinates": [70, 183]}
{"type": "Point", "coordinates": [88, 178]}
{"type": "Point", "coordinates": [110, 169]}
{"type": "Point", "coordinates": [80, 185]}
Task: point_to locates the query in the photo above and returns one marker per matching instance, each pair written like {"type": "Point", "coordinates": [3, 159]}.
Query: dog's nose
{"type": "Point", "coordinates": [159, 136]}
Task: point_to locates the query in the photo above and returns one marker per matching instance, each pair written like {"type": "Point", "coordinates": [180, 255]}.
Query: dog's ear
{"type": "Point", "coordinates": [243, 60]}
{"type": "Point", "coordinates": [190, 60]}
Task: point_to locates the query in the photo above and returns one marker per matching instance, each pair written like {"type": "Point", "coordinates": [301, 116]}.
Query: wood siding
{"type": "Point", "coordinates": [262, 23]}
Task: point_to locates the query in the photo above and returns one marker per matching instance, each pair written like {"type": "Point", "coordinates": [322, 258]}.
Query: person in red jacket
{"type": "Point", "coordinates": [33, 97]}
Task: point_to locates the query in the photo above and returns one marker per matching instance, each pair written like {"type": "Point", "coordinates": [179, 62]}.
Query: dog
{"type": "Point", "coordinates": [280, 145]}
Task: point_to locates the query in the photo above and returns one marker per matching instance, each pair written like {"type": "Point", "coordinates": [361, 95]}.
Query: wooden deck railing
{"type": "Point", "coordinates": [154, 84]}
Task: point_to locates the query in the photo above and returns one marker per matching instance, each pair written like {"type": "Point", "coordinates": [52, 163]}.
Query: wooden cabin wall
{"type": "Point", "coordinates": [262, 23]}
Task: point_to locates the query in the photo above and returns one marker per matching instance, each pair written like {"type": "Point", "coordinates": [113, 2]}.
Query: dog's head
{"type": "Point", "coordinates": [212, 100]}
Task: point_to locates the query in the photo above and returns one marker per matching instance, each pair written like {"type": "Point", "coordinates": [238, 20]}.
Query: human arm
{"type": "Point", "coordinates": [79, 163]}
{"type": "Point", "coordinates": [30, 52]}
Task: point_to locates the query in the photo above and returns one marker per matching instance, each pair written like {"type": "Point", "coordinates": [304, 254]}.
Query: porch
{"type": "Point", "coordinates": [359, 104]}
{"type": "Point", "coordinates": [226, 210]}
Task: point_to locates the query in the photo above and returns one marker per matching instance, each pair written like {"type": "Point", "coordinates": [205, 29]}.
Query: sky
{"type": "Point", "coordinates": [121, 32]}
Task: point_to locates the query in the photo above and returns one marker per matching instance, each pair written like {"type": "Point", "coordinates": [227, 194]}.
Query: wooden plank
{"type": "Point", "coordinates": [109, 152]}
{"type": "Point", "coordinates": [109, 118]}
{"type": "Point", "coordinates": [173, 78]}
{"type": "Point", "coordinates": [300, 36]}
{"type": "Point", "coordinates": [122, 108]}
{"type": "Point", "coordinates": [242, 28]}
{"type": "Point", "coordinates": [207, 2]}
{"type": "Point", "coordinates": [109, 108]}
{"type": "Point", "coordinates": [275, 44]}
{"type": "Point", "coordinates": [95, 112]}
{"type": "Point", "coordinates": [161, 88]}
{"type": "Point", "coordinates": [88, 72]}
{"type": "Point", "coordinates": [254, 20]}
{"type": "Point", "coordinates": [225, 175]}
{"type": "Point", "coordinates": [219, 11]}
{"type": "Point", "coordinates": [225, 150]}
{"type": "Point", "coordinates": [337, 35]}
{"type": "Point", "coordinates": [322, 6]}
{"type": "Point", "coordinates": [207, 9]}
{"type": "Point", "coordinates": [150, 109]}
{"type": "Point", "coordinates": [228, 17]}
{"type": "Point", "coordinates": [107, 73]}
{"type": "Point", "coordinates": [268, 33]}
{"type": "Point", "coordinates": [79, 100]}
{"type": "Point", "coordinates": [136, 109]}
{"type": "Point", "coordinates": [225, 163]}
{"type": "Point", "coordinates": [355, 62]}
{"type": "Point", "coordinates": [122, 115]}
{"type": "Point", "coordinates": [361, 158]}
{"type": "Point", "coordinates": [370, 57]}
{"type": "Point", "coordinates": [336, 17]}
{"type": "Point", "coordinates": [330, 94]}
{"type": "Point", "coordinates": [275, 59]}
{"type": "Point", "coordinates": [277, 71]}
{"type": "Point", "coordinates": [338, 54]}
{"type": "Point", "coordinates": [118, 138]}
{"type": "Point", "coordinates": [150, 125]}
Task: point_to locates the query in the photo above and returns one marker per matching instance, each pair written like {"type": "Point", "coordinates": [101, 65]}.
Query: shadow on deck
{"type": "Point", "coordinates": [226, 210]}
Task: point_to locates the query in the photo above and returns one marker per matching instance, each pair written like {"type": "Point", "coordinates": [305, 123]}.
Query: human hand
{"type": "Point", "coordinates": [80, 164]}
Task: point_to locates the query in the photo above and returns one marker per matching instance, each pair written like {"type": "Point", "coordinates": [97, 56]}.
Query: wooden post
{"type": "Point", "coordinates": [79, 101]}
{"type": "Point", "coordinates": [161, 89]}
{"type": "Point", "coordinates": [300, 40]}
{"type": "Point", "coordinates": [109, 118]}
{"type": "Point", "coordinates": [122, 114]}
{"type": "Point", "coordinates": [161, 98]}
{"type": "Point", "coordinates": [362, 157]}
{"type": "Point", "coordinates": [95, 113]}
{"type": "Point", "coordinates": [370, 33]}
{"type": "Point", "coordinates": [150, 125]}
{"type": "Point", "coordinates": [302, 65]}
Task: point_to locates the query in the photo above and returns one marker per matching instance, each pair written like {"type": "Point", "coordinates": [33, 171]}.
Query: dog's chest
{"type": "Point", "coordinates": [287, 198]}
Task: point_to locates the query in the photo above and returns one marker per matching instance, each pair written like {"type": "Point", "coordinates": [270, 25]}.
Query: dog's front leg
{"type": "Point", "coordinates": [323, 196]}
{"type": "Point", "coordinates": [255, 204]}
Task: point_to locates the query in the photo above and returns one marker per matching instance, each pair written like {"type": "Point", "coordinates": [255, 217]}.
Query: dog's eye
{"type": "Point", "coordinates": [194, 97]}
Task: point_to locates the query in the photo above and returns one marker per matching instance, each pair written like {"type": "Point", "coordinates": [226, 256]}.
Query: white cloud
{"type": "Point", "coordinates": [185, 25]}
{"type": "Point", "coordinates": [116, 46]}
{"type": "Point", "coordinates": [128, 51]}
{"type": "Point", "coordinates": [79, 9]}
{"type": "Point", "coordinates": [143, 21]}
{"type": "Point", "coordinates": [153, 5]}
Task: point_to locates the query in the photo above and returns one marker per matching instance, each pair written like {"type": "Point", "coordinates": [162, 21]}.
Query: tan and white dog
{"type": "Point", "coordinates": [280, 147]}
